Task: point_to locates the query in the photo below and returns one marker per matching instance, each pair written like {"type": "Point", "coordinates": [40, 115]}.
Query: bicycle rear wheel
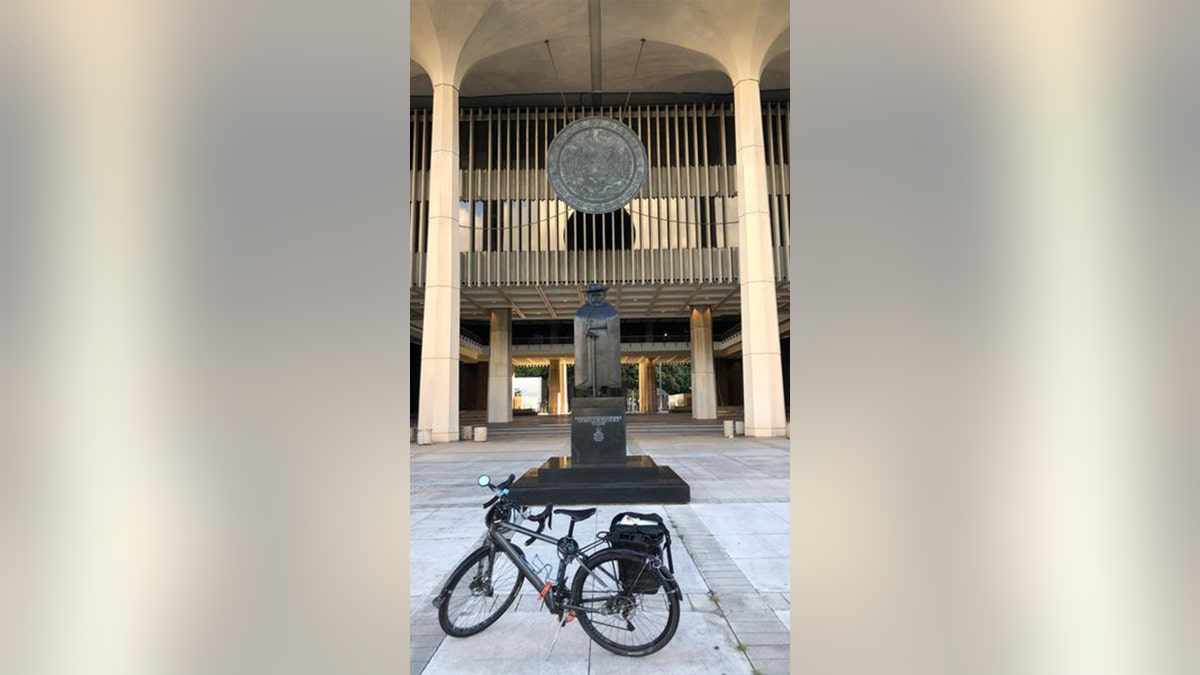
{"type": "Point", "coordinates": [481, 589]}
{"type": "Point", "coordinates": [632, 609]}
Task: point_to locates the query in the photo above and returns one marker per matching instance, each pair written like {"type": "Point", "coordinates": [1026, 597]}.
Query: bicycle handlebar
{"type": "Point", "coordinates": [500, 490]}
{"type": "Point", "coordinates": [543, 519]}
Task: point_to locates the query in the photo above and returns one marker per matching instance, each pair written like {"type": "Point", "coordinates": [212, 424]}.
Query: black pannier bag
{"type": "Point", "coordinates": [644, 533]}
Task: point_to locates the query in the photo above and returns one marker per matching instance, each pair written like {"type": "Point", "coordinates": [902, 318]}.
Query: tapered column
{"type": "Point", "coordinates": [763, 370]}
{"type": "Point", "coordinates": [643, 375]}
{"type": "Point", "coordinates": [500, 370]}
{"type": "Point", "coordinates": [557, 395]}
{"type": "Point", "coordinates": [704, 378]}
{"type": "Point", "coordinates": [647, 386]}
{"type": "Point", "coordinates": [565, 408]}
{"type": "Point", "coordinates": [438, 407]}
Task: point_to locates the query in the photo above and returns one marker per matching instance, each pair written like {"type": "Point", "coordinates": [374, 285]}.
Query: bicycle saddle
{"type": "Point", "coordinates": [577, 514]}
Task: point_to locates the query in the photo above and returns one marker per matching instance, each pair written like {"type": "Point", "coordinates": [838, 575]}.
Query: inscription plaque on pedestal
{"type": "Point", "coordinates": [598, 431]}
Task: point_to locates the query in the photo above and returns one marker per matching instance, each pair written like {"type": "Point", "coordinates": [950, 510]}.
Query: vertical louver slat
{"type": "Point", "coordinates": [672, 190]}
{"type": "Point", "coordinates": [422, 184]}
{"type": "Point", "coordinates": [693, 192]}
{"type": "Point", "coordinates": [514, 229]}
{"type": "Point", "coordinates": [526, 227]}
{"type": "Point", "coordinates": [723, 187]}
{"type": "Point", "coordinates": [707, 202]}
{"type": "Point", "coordinates": [784, 186]}
{"type": "Point", "coordinates": [468, 270]}
{"type": "Point", "coordinates": [507, 232]}
{"type": "Point", "coordinates": [772, 188]}
{"type": "Point", "coordinates": [643, 206]}
{"type": "Point", "coordinates": [543, 212]}
{"type": "Point", "coordinates": [412, 186]}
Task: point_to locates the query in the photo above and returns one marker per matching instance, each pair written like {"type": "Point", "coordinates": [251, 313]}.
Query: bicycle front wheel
{"type": "Point", "coordinates": [481, 589]}
{"type": "Point", "coordinates": [631, 608]}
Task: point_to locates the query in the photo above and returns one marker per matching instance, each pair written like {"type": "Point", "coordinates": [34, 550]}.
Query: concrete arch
{"type": "Point", "coordinates": [495, 73]}
{"type": "Point", "coordinates": [779, 47]}
{"type": "Point", "coordinates": [450, 38]}
{"type": "Point", "coordinates": [419, 83]}
{"type": "Point", "coordinates": [776, 73]}
{"type": "Point", "coordinates": [527, 68]}
{"type": "Point", "coordinates": [737, 34]}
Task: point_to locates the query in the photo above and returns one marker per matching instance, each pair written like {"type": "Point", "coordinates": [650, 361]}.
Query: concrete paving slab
{"type": "Point", "coordinates": [431, 560]}
{"type": "Point", "coordinates": [772, 666]}
{"type": "Point", "coordinates": [702, 602]}
{"type": "Point", "coordinates": [448, 523]}
{"type": "Point", "coordinates": [777, 600]}
{"type": "Point", "coordinates": [769, 575]}
{"type": "Point", "coordinates": [781, 509]}
{"type": "Point", "coordinates": [415, 517]}
{"type": "Point", "coordinates": [702, 644]}
{"type": "Point", "coordinates": [743, 603]}
{"type": "Point", "coordinates": [767, 638]}
{"type": "Point", "coordinates": [769, 625]}
{"type": "Point", "coordinates": [767, 652]}
{"type": "Point", "coordinates": [741, 519]}
{"type": "Point", "coordinates": [732, 537]}
{"type": "Point", "coordinates": [785, 617]}
{"type": "Point", "coordinates": [516, 644]}
{"type": "Point", "coordinates": [756, 545]}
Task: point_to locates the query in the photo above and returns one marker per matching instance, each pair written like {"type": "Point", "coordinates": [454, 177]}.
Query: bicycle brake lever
{"type": "Point", "coordinates": [541, 526]}
{"type": "Point", "coordinates": [490, 502]}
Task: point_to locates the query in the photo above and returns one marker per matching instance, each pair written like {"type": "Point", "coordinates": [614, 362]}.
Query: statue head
{"type": "Point", "coordinates": [594, 294]}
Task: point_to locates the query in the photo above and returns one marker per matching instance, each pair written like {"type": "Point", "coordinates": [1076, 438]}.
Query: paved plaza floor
{"type": "Point", "coordinates": [730, 546]}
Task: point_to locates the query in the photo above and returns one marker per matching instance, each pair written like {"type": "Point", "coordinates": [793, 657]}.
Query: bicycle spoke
{"type": "Point", "coordinates": [621, 619]}
{"type": "Point", "coordinates": [480, 594]}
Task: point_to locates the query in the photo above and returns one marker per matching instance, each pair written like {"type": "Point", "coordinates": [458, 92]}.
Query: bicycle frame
{"type": "Point", "coordinates": [497, 539]}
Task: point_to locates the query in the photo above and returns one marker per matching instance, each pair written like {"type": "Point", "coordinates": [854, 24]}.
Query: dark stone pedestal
{"type": "Point", "coordinates": [598, 431]}
{"type": "Point", "coordinates": [637, 480]}
{"type": "Point", "coordinates": [598, 470]}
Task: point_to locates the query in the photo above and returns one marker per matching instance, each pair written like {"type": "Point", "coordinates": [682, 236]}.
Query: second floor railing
{"type": "Point", "coordinates": [681, 226]}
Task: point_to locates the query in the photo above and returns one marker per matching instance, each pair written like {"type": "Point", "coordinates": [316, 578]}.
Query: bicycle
{"type": "Point", "coordinates": [626, 601]}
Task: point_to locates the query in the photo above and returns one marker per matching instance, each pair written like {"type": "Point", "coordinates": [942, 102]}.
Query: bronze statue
{"type": "Point", "coordinates": [597, 347]}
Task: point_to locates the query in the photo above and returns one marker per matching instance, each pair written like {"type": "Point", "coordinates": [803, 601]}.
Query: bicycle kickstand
{"type": "Point", "coordinates": [570, 617]}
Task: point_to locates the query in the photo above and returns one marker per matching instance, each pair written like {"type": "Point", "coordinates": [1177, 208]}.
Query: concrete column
{"type": "Point", "coordinates": [763, 370]}
{"type": "Point", "coordinates": [643, 366]}
{"type": "Point", "coordinates": [704, 377]}
{"type": "Point", "coordinates": [438, 407]}
{"type": "Point", "coordinates": [647, 386]}
{"type": "Point", "coordinates": [500, 369]}
{"type": "Point", "coordinates": [557, 395]}
{"type": "Point", "coordinates": [565, 408]}
{"type": "Point", "coordinates": [480, 384]}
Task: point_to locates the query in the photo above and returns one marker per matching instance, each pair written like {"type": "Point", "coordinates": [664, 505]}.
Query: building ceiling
{"type": "Point", "coordinates": [632, 301]}
{"type": "Point", "coordinates": [595, 46]}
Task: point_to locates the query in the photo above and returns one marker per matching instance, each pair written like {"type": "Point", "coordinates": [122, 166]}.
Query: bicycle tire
{"type": "Point", "coordinates": [472, 606]}
{"type": "Point", "coordinates": [651, 618]}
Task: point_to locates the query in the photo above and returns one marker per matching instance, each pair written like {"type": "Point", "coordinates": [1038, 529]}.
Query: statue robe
{"type": "Point", "coordinates": [603, 322]}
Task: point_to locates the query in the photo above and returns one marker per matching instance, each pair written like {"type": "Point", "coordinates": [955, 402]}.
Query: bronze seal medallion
{"type": "Point", "coordinates": [596, 164]}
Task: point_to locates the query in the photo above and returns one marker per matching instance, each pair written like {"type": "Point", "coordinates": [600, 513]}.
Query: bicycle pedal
{"type": "Point", "coordinates": [570, 618]}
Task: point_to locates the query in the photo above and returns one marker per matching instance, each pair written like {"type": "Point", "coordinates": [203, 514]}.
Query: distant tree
{"type": "Point", "coordinates": [629, 379]}
{"type": "Point", "coordinates": [531, 371]}
{"type": "Point", "coordinates": [676, 378]}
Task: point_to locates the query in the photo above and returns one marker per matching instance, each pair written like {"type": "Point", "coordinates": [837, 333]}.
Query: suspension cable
{"type": "Point", "coordinates": [633, 79]}
{"type": "Point", "coordinates": [556, 77]}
